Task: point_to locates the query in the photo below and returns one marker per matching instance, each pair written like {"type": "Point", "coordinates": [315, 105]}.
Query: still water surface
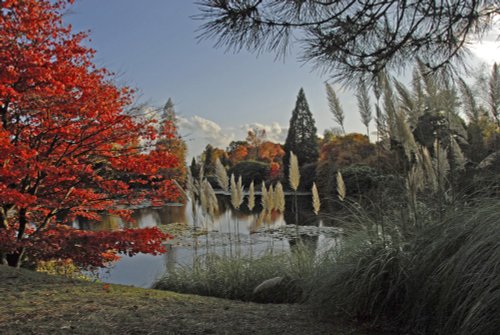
{"type": "Point", "coordinates": [229, 232]}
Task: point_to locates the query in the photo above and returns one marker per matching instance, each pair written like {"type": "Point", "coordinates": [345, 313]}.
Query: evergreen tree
{"type": "Point", "coordinates": [301, 137]}
{"type": "Point", "coordinates": [195, 169]}
{"type": "Point", "coordinates": [170, 138]}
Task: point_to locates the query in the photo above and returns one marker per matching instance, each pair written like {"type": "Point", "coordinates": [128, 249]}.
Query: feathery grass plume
{"type": "Point", "coordinates": [263, 197]}
{"type": "Point", "coordinates": [408, 104]}
{"type": "Point", "coordinates": [431, 86]}
{"type": "Point", "coordinates": [294, 173]}
{"type": "Point", "coordinates": [234, 193]}
{"type": "Point", "coordinates": [279, 198]}
{"type": "Point", "coordinates": [364, 106]}
{"type": "Point", "coordinates": [239, 188]}
{"type": "Point", "coordinates": [494, 92]}
{"type": "Point", "coordinates": [381, 122]}
{"type": "Point", "coordinates": [251, 196]}
{"type": "Point", "coordinates": [201, 174]}
{"type": "Point", "coordinates": [457, 154]}
{"type": "Point", "coordinates": [469, 102]}
{"type": "Point", "coordinates": [389, 105]}
{"type": "Point", "coordinates": [335, 107]}
{"type": "Point", "coordinates": [414, 184]}
{"type": "Point", "coordinates": [191, 188]}
{"type": "Point", "coordinates": [428, 167]}
{"type": "Point", "coordinates": [340, 186]}
{"type": "Point", "coordinates": [209, 199]}
{"type": "Point", "coordinates": [315, 199]}
{"type": "Point", "coordinates": [221, 175]}
{"type": "Point", "coordinates": [405, 136]}
{"type": "Point", "coordinates": [270, 198]}
{"type": "Point", "coordinates": [418, 91]}
{"type": "Point", "coordinates": [203, 198]}
{"type": "Point", "coordinates": [441, 164]}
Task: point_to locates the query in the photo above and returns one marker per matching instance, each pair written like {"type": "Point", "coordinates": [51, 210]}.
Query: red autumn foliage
{"type": "Point", "coordinates": [275, 171]}
{"type": "Point", "coordinates": [84, 248]}
{"type": "Point", "coordinates": [271, 152]}
{"type": "Point", "coordinates": [68, 146]}
{"type": "Point", "coordinates": [238, 153]}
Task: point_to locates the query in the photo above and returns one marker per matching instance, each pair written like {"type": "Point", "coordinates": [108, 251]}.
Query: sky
{"type": "Point", "coordinates": [151, 45]}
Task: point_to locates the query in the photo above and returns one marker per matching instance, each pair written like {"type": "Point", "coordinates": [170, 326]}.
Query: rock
{"type": "Point", "coordinates": [277, 290]}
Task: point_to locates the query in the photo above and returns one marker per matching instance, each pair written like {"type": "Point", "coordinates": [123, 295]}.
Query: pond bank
{"type": "Point", "coordinates": [37, 303]}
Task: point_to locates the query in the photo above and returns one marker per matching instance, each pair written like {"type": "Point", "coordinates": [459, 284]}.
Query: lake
{"type": "Point", "coordinates": [229, 231]}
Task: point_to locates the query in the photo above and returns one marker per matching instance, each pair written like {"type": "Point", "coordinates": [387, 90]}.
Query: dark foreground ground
{"type": "Point", "coordinates": [36, 303]}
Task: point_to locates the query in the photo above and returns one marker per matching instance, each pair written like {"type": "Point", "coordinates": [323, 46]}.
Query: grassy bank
{"type": "Point", "coordinates": [37, 303]}
{"type": "Point", "coordinates": [442, 278]}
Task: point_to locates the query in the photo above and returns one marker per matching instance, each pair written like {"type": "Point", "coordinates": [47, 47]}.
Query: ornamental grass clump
{"type": "Point", "coordinates": [442, 280]}
{"type": "Point", "coordinates": [236, 277]}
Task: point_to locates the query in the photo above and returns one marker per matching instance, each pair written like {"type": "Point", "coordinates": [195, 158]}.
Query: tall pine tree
{"type": "Point", "coordinates": [301, 138]}
{"type": "Point", "coordinates": [168, 125]}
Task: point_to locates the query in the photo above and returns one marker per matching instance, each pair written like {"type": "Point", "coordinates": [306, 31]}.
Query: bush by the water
{"type": "Point", "coordinates": [250, 171]}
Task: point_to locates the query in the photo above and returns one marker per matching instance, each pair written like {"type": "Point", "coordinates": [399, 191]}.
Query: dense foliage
{"type": "Point", "coordinates": [68, 147]}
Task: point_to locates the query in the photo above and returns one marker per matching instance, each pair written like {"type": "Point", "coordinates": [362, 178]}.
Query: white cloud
{"type": "Point", "coordinates": [274, 132]}
{"type": "Point", "coordinates": [198, 132]}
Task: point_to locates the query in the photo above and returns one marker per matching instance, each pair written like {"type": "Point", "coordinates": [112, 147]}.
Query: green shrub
{"type": "Point", "coordinates": [250, 170]}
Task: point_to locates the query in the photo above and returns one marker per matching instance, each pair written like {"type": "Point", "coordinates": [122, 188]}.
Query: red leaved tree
{"type": "Point", "coordinates": [68, 147]}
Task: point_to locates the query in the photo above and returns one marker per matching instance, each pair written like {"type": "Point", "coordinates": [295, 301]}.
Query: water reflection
{"type": "Point", "coordinates": [228, 232]}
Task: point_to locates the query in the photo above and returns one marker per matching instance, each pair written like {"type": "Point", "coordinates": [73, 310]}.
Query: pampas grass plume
{"type": "Point", "coordinates": [340, 186]}
{"type": "Point", "coordinates": [251, 196]}
{"type": "Point", "coordinates": [221, 175]}
{"type": "Point", "coordinates": [315, 199]}
{"type": "Point", "coordinates": [279, 198]}
{"type": "Point", "coordinates": [294, 173]}
{"type": "Point", "coordinates": [263, 198]}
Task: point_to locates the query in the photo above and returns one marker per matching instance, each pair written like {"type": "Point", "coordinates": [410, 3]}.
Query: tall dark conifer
{"type": "Point", "coordinates": [301, 138]}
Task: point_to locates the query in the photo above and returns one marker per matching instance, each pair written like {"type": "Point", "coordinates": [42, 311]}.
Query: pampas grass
{"type": "Point", "coordinates": [251, 196]}
{"type": "Point", "coordinates": [221, 175]}
{"type": "Point", "coordinates": [457, 154]}
{"type": "Point", "coordinates": [441, 164]}
{"type": "Point", "coordinates": [315, 199]}
{"type": "Point", "coordinates": [270, 198]}
{"type": "Point", "coordinates": [442, 280]}
{"type": "Point", "coordinates": [236, 277]}
{"type": "Point", "coordinates": [236, 192]}
{"type": "Point", "coordinates": [279, 198]}
{"type": "Point", "coordinates": [263, 197]}
{"type": "Point", "coordinates": [294, 173]}
{"type": "Point", "coordinates": [341, 191]}
{"type": "Point", "coordinates": [209, 199]}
